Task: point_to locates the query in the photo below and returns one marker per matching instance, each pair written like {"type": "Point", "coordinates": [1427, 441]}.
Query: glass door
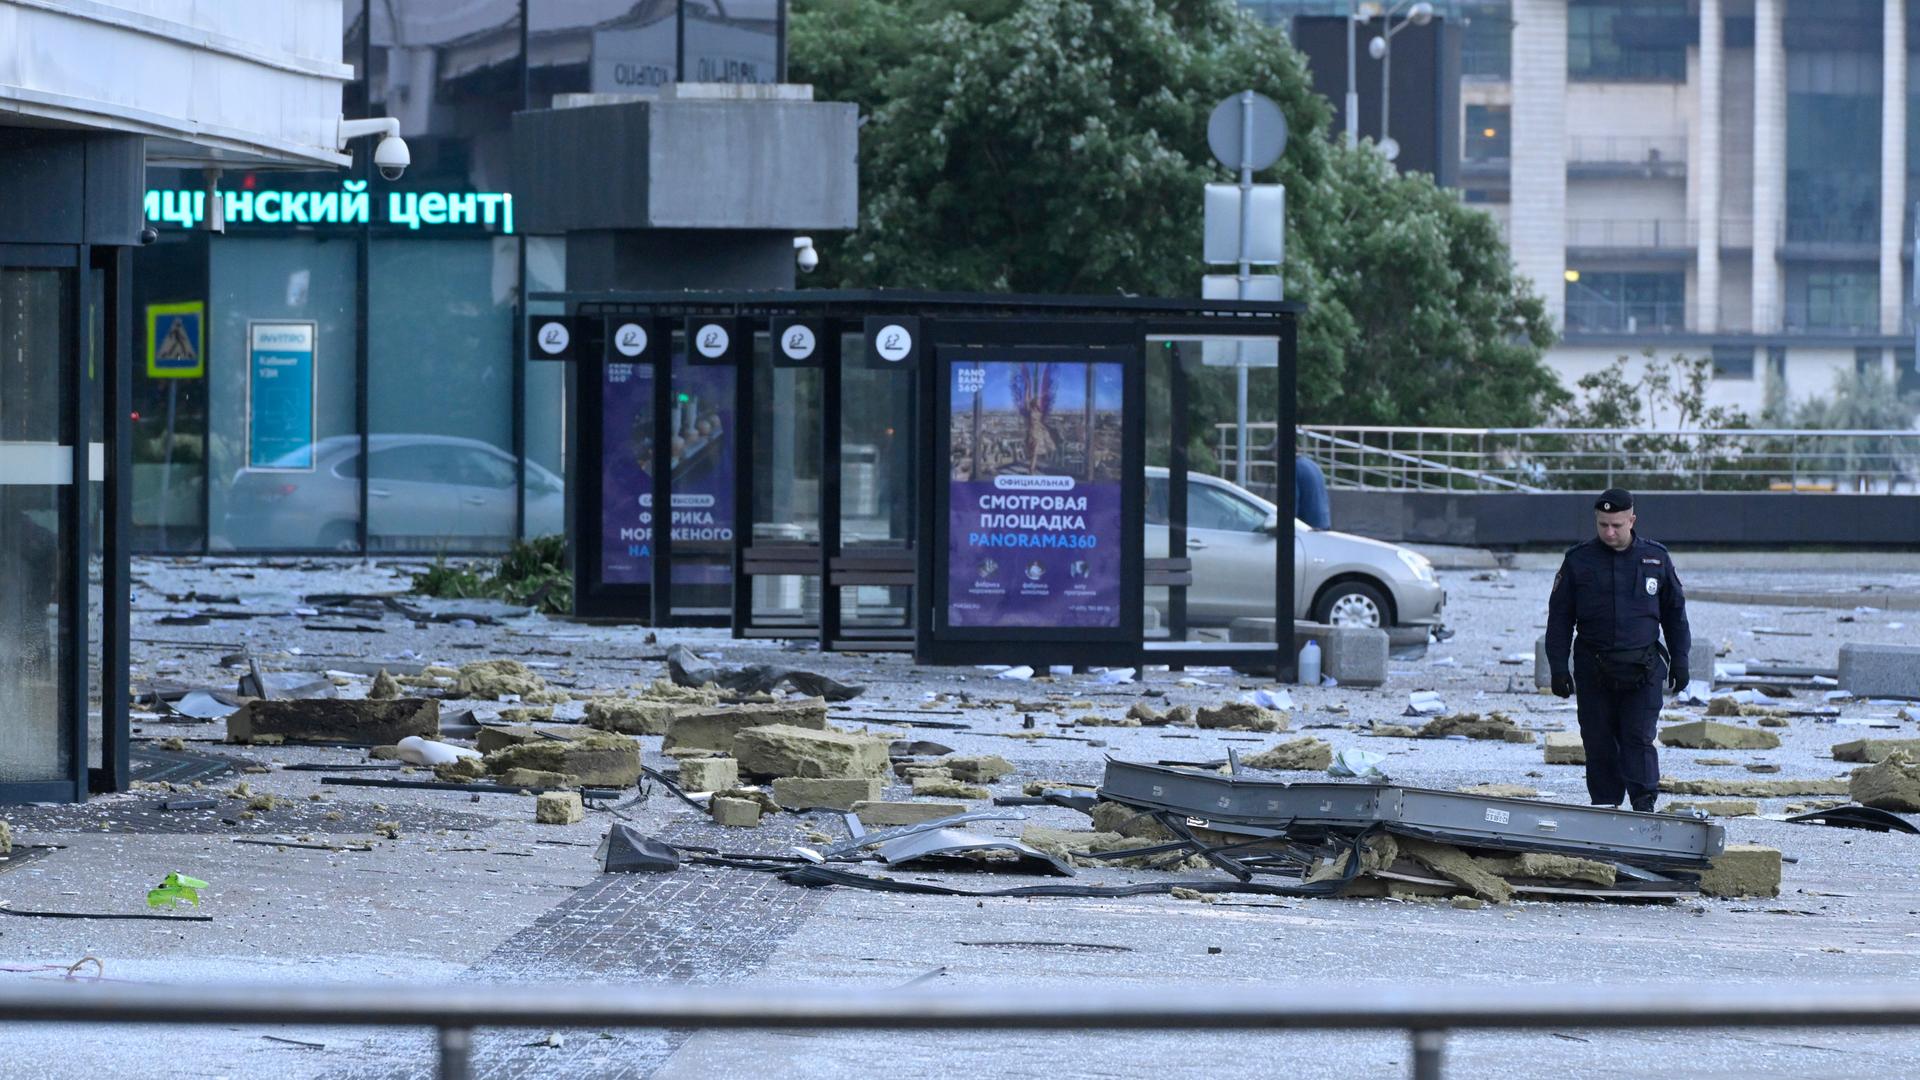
{"type": "Point", "coordinates": [42, 736]}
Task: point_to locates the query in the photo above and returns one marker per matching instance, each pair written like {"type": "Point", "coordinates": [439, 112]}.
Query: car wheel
{"type": "Point", "coordinates": [1352, 603]}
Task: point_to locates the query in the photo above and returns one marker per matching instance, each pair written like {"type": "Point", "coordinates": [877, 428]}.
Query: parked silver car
{"type": "Point", "coordinates": [424, 493]}
{"type": "Point", "coordinates": [1338, 578]}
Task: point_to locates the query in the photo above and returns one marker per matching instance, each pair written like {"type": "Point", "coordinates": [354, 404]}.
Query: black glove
{"type": "Point", "coordinates": [1677, 680]}
{"type": "Point", "coordinates": [1562, 684]}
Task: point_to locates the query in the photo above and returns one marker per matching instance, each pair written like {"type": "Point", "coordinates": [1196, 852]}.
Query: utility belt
{"type": "Point", "coordinates": [1625, 669]}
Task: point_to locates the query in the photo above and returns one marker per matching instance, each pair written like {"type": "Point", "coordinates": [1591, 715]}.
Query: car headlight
{"type": "Point", "coordinates": [1421, 566]}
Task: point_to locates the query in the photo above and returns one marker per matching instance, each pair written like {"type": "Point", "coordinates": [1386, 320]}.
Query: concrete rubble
{"type": "Point", "coordinates": [1711, 735]}
{"type": "Point", "coordinates": [1241, 716]}
{"type": "Point", "coordinates": [828, 793]}
{"type": "Point", "coordinates": [1752, 789]}
{"type": "Point", "coordinates": [1717, 807]}
{"type": "Point", "coordinates": [500, 736]}
{"type": "Point", "coordinates": [1496, 725]}
{"type": "Point", "coordinates": [709, 773]}
{"type": "Point", "coordinates": [786, 750]}
{"type": "Point", "coordinates": [736, 813]}
{"type": "Point", "coordinates": [1305, 754]}
{"type": "Point", "coordinates": [1870, 751]}
{"type": "Point", "coordinates": [947, 787]}
{"type": "Point", "coordinates": [888, 815]}
{"type": "Point", "coordinates": [977, 769]}
{"type": "Point", "coordinates": [558, 808]}
{"type": "Point", "coordinates": [335, 721]}
{"type": "Point", "coordinates": [503, 680]}
{"type": "Point", "coordinates": [1564, 748]}
{"type": "Point", "coordinates": [1743, 870]}
{"type": "Point", "coordinates": [1891, 784]}
{"type": "Point", "coordinates": [601, 759]}
{"type": "Point", "coordinates": [715, 728]}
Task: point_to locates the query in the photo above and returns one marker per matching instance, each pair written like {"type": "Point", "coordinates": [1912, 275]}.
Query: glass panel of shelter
{"type": "Point", "coordinates": [786, 490]}
{"type": "Point", "coordinates": [1230, 536]}
{"type": "Point", "coordinates": [876, 488]}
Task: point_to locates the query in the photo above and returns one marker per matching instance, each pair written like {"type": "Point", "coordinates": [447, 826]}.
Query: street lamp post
{"type": "Point", "coordinates": [1381, 49]}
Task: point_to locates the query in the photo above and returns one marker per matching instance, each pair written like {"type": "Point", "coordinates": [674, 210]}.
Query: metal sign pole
{"type": "Point", "coordinates": [1245, 274]}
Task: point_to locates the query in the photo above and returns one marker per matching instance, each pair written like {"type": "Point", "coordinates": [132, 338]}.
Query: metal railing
{"type": "Point", "coordinates": [1662, 233]}
{"type": "Point", "coordinates": [1573, 459]}
{"type": "Point", "coordinates": [1595, 316]}
{"type": "Point", "coordinates": [1627, 149]}
{"type": "Point", "coordinates": [1426, 1014]}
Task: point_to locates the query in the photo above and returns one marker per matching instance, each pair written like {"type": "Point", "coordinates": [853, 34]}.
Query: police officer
{"type": "Point", "coordinates": [1619, 591]}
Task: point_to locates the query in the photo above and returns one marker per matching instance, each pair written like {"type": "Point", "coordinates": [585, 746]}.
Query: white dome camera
{"type": "Point", "coordinates": [804, 254]}
{"type": "Point", "coordinates": [391, 157]}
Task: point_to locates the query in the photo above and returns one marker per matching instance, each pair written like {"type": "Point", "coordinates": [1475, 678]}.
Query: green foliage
{"type": "Point", "coordinates": [1862, 400]}
{"type": "Point", "coordinates": [1642, 410]}
{"type": "Point", "coordinates": [533, 573]}
{"type": "Point", "coordinates": [1059, 146]}
{"type": "Point", "coordinates": [173, 889]}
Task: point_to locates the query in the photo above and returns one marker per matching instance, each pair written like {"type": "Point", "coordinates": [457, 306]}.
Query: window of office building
{"type": "Point", "coordinates": [1833, 147]}
{"type": "Point", "coordinates": [1733, 362]}
{"type": "Point", "coordinates": [1487, 136]}
{"type": "Point", "coordinates": [1906, 376]}
{"type": "Point", "coordinates": [1640, 40]}
{"type": "Point", "coordinates": [1838, 300]}
{"type": "Point", "coordinates": [1486, 39]}
{"type": "Point", "coordinates": [1625, 302]}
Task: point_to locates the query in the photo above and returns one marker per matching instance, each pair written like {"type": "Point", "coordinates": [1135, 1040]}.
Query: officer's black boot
{"type": "Point", "coordinates": [1643, 805]}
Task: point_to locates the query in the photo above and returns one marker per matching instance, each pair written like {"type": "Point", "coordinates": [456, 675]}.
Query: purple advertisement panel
{"type": "Point", "coordinates": [626, 479]}
{"type": "Point", "coordinates": [703, 473]}
{"type": "Point", "coordinates": [1033, 509]}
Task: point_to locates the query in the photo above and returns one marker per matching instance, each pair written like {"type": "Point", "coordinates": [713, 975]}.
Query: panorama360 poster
{"type": "Point", "coordinates": [1034, 504]}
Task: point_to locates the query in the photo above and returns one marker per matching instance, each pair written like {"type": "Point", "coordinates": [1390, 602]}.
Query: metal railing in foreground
{"type": "Point", "coordinates": [1426, 1013]}
{"type": "Point", "coordinates": [1575, 459]}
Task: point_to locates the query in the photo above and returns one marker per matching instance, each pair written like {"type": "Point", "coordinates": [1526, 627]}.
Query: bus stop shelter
{"type": "Point", "coordinates": [972, 478]}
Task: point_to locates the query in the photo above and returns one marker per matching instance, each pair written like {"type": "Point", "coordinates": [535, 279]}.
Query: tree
{"type": "Point", "coordinates": [1059, 146]}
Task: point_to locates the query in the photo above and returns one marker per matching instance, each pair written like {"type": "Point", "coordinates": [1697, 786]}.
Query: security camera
{"type": "Point", "coordinates": [391, 157]}
{"type": "Point", "coordinates": [148, 235]}
{"type": "Point", "coordinates": [804, 255]}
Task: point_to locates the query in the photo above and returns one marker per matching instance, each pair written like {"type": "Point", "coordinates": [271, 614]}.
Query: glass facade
{"type": "Point", "coordinates": [1833, 147]}
{"type": "Point", "coordinates": [346, 374]}
{"type": "Point", "coordinates": [1642, 40]}
{"type": "Point", "coordinates": [1631, 302]}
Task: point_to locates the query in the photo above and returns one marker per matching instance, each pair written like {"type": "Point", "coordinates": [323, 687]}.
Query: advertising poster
{"type": "Point", "coordinates": [1034, 502]}
{"type": "Point", "coordinates": [280, 400]}
{"type": "Point", "coordinates": [701, 445]}
{"type": "Point", "coordinates": [626, 480]}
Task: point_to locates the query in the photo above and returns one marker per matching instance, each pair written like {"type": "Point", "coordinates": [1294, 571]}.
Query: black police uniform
{"type": "Point", "coordinates": [1620, 602]}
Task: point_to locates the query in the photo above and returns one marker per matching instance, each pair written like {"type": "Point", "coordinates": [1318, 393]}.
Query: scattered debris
{"type": "Point", "coordinates": [737, 813]}
{"type": "Point", "coordinates": [385, 687]}
{"type": "Point", "coordinates": [334, 721]}
{"type": "Point", "coordinates": [503, 680]}
{"type": "Point", "coordinates": [1425, 703]}
{"type": "Point", "coordinates": [978, 769]}
{"type": "Point", "coordinates": [1891, 784]}
{"type": "Point", "coordinates": [418, 751]}
{"type": "Point", "coordinates": [1743, 870]}
{"type": "Point", "coordinates": [1241, 716]}
{"type": "Point", "coordinates": [558, 808]}
{"type": "Point", "coordinates": [1873, 751]}
{"type": "Point", "coordinates": [1709, 735]}
{"type": "Point", "coordinates": [1306, 754]}
{"type": "Point", "coordinates": [1361, 764]}
{"type": "Point", "coordinates": [948, 787]}
{"type": "Point", "coordinates": [1565, 748]}
{"type": "Point", "coordinates": [625, 850]}
{"type": "Point", "coordinates": [1497, 725]}
{"type": "Point", "coordinates": [882, 815]}
{"type": "Point", "coordinates": [709, 773]}
{"type": "Point", "coordinates": [601, 759]}
{"type": "Point", "coordinates": [688, 669]}
{"type": "Point", "coordinates": [1717, 807]}
{"type": "Point", "coordinates": [1869, 818]}
{"type": "Point", "coordinates": [1753, 789]}
{"type": "Point", "coordinates": [1500, 791]}
{"type": "Point", "coordinates": [715, 728]}
{"type": "Point", "coordinates": [785, 750]}
{"type": "Point", "coordinates": [836, 793]}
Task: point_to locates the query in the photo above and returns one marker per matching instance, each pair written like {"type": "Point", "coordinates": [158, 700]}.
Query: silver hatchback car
{"type": "Point", "coordinates": [1338, 578]}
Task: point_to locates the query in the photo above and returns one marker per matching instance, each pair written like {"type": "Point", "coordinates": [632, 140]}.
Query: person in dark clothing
{"type": "Point", "coordinates": [1620, 592]}
{"type": "Point", "coordinates": [1310, 494]}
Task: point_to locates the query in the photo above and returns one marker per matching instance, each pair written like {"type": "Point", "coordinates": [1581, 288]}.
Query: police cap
{"type": "Point", "coordinates": [1614, 500]}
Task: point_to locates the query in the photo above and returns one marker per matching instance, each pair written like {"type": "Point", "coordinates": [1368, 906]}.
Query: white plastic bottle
{"type": "Point", "coordinates": [1310, 664]}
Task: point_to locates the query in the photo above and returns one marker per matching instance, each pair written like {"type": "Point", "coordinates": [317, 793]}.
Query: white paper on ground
{"type": "Point", "coordinates": [1728, 670]}
{"type": "Point", "coordinates": [1358, 763]}
{"type": "Point", "coordinates": [1837, 695]}
{"type": "Point", "coordinates": [1117, 675]}
{"type": "Point", "coordinates": [1020, 674]}
{"type": "Point", "coordinates": [415, 750]}
{"type": "Point", "coordinates": [1425, 703]}
{"type": "Point", "coordinates": [1060, 669]}
{"type": "Point", "coordinates": [1822, 680]}
{"type": "Point", "coordinates": [1270, 699]}
{"type": "Point", "coordinates": [1328, 680]}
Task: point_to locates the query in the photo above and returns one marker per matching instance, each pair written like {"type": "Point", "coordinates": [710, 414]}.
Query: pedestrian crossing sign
{"type": "Point", "coordinates": [177, 340]}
